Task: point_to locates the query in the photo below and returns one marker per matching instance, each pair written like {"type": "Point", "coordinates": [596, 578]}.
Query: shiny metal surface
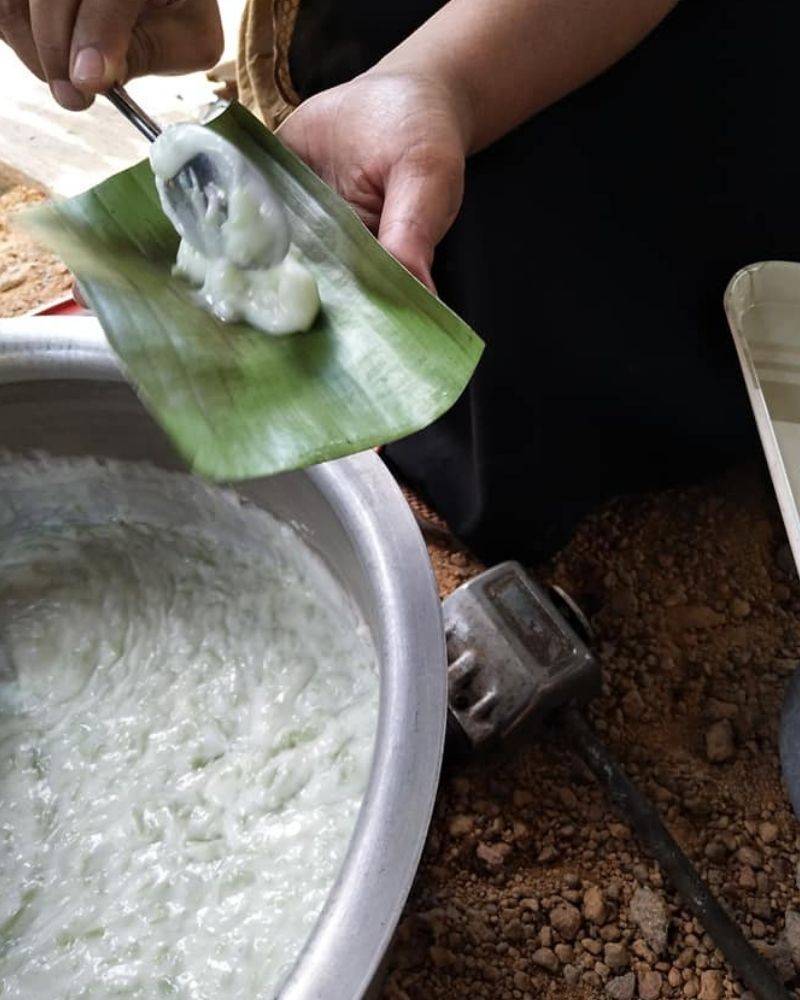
{"type": "Point", "coordinates": [762, 303]}
{"type": "Point", "coordinates": [514, 658]}
{"type": "Point", "coordinates": [197, 184]}
{"type": "Point", "coordinates": [61, 392]}
{"type": "Point", "coordinates": [136, 115]}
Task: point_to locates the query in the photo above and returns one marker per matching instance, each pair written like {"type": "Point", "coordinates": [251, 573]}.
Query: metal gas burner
{"type": "Point", "coordinates": [513, 657]}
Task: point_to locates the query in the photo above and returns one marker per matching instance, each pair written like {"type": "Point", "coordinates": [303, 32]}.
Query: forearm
{"type": "Point", "coordinates": [505, 60]}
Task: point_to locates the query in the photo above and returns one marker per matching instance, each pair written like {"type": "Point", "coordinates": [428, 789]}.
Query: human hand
{"type": "Point", "coordinates": [82, 47]}
{"type": "Point", "coordinates": [393, 145]}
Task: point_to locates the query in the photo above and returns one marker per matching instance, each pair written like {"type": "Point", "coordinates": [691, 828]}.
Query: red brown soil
{"type": "Point", "coordinates": [698, 630]}
{"type": "Point", "coordinates": [29, 277]}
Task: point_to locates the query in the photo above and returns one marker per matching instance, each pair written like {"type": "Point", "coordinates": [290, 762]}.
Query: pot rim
{"type": "Point", "coordinates": [346, 948]}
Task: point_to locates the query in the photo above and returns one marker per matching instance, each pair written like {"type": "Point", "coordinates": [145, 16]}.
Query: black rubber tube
{"type": "Point", "coordinates": [790, 741]}
{"type": "Point", "coordinates": [754, 970]}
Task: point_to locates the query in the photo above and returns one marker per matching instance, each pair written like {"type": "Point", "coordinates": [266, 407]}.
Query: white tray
{"type": "Point", "coordinates": [763, 307]}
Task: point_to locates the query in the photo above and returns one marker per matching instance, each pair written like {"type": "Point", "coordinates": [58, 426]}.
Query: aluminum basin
{"type": "Point", "coordinates": [62, 392]}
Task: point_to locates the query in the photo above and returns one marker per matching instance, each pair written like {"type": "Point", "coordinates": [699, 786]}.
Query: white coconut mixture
{"type": "Point", "coordinates": [247, 268]}
{"type": "Point", "coordinates": [186, 717]}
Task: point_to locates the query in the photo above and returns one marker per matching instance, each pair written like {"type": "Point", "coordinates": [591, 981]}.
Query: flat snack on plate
{"type": "Point", "coordinates": [383, 359]}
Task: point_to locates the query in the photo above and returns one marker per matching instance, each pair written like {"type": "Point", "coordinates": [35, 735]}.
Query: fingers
{"type": "Point", "coordinates": [15, 30]}
{"type": "Point", "coordinates": [82, 47]}
{"type": "Point", "coordinates": [176, 37]}
{"type": "Point", "coordinates": [422, 198]}
{"type": "Point", "coordinates": [101, 36]}
{"type": "Point", "coordinates": [157, 36]}
{"type": "Point", "coordinates": [51, 26]}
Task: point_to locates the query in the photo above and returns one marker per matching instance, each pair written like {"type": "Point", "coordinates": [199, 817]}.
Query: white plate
{"type": "Point", "coordinates": [763, 306]}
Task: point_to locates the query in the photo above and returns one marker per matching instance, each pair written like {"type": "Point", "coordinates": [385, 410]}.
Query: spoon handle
{"type": "Point", "coordinates": [123, 102]}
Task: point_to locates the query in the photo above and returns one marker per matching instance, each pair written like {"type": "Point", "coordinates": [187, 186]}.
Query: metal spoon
{"type": "Point", "coordinates": [198, 195]}
{"type": "Point", "coordinates": [195, 187]}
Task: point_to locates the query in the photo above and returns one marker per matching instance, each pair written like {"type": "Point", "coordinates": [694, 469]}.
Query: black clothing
{"type": "Point", "coordinates": [591, 254]}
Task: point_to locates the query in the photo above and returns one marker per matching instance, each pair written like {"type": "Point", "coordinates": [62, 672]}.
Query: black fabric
{"type": "Point", "coordinates": [592, 253]}
{"type": "Point", "coordinates": [335, 40]}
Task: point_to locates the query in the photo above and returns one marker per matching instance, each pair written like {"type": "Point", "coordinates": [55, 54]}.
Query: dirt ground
{"type": "Point", "coordinates": [28, 277]}
{"type": "Point", "coordinates": [531, 885]}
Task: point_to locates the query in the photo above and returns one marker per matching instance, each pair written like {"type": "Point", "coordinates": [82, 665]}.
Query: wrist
{"type": "Point", "coordinates": [438, 76]}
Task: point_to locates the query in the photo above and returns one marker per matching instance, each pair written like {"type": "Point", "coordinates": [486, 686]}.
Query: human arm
{"type": "Point", "coordinates": [393, 141]}
{"type": "Point", "coordinates": [504, 60]}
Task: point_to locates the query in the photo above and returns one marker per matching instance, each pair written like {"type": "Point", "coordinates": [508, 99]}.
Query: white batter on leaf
{"type": "Point", "coordinates": [186, 738]}
{"type": "Point", "coordinates": [248, 270]}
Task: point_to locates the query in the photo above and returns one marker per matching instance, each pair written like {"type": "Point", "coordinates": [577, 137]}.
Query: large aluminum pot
{"type": "Point", "coordinates": [61, 392]}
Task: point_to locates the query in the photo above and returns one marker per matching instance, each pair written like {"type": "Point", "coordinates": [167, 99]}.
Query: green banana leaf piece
{"type": "Point", "coordinates": [384, 358]}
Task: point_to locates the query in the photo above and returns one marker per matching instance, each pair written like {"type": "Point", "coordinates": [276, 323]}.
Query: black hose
{"type": "Point", "coordinates": [753, 969]}
{"type": "Point", "coordinates": [790, 741]}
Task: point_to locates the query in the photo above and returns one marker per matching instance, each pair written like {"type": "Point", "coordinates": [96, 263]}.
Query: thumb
{"type": "Point", "coordinates": [100, 40]}
{"type": "Point", "coordinates": [112, 42]}
{"type": "Point", "coordinates": [422, 198]}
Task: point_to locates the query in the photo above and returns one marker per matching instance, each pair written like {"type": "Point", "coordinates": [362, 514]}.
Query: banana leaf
{"type": "Point", "coordinates": [384, 358]}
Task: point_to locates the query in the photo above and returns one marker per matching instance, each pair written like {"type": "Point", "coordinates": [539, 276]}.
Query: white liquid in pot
{"type": "Point", "coordinates": [186, 738]}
